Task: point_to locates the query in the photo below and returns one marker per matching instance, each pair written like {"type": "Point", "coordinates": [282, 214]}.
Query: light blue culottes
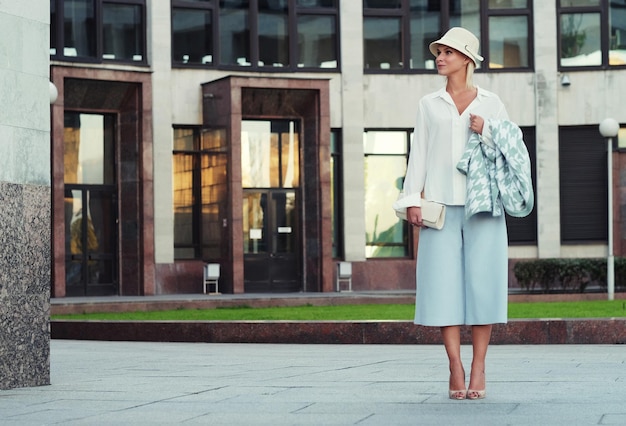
{"type": "Point", "coordinates": [462, 271]}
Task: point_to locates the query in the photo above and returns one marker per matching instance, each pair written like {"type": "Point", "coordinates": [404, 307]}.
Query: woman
{"type": "Point", "coordinates": [461, 269]}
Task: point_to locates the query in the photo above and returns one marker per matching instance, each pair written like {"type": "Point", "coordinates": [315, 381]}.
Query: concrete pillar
{"type": "Point", "coordinates": [547, 128]}
{"type": "Point", "coordinates": [24, 194]}
{"type": "Point", "coordinates": [352, 126]}
{"type": "Point", "coordinates": [161, 58]}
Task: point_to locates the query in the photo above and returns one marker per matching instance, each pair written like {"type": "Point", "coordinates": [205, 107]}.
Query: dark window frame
{"type": "Point", "coordinates": [336, 156]}
{"type": "Point", "coordinates": [187, 5]}
{"type": "Point", "coordinates": [403, 13]}
{"type": "Point", "coordinates": [57, 33]}
{"type": "Point", "coordinates": [198, 245]}
{"type": "Point", "coordinates": [603, 9]}
{"type": "Point", "coordinates": [294, 12]}
{"type": "Point", "coordinates": [487, 13]}
{"type": "Point", "coordinates": [408, 235]}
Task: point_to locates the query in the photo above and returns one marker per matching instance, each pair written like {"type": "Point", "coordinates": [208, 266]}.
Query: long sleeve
{"type": "Point", "coordinates": [416, 170]}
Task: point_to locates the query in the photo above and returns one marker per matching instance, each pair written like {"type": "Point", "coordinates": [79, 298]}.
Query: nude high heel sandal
{"type": "Point", "coordinates": [457, 394]}
{"type": "Point", "coordinates": [476, 394]}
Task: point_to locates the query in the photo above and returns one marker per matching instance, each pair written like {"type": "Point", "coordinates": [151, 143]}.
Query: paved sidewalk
{"type": "Point", "coordinates": [141, 383]}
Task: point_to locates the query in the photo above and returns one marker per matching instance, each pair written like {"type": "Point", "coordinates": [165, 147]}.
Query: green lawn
{"type": "Point", "coordinates": [587, 309]}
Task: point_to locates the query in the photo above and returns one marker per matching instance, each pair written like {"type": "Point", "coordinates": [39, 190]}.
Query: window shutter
{"type": "Point", "coordinates": [583, 184]}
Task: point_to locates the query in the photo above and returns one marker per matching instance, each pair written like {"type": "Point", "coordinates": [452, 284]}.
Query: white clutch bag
{"type": "Point", "coordinates": [433, 214]}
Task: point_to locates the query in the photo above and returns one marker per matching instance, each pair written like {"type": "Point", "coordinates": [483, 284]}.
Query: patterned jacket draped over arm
{"type": "Point", "coordinates": [498, 175]}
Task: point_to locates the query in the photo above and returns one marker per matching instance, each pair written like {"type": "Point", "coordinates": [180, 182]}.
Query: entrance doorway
{"type": "Point", "coordinates": [90, 204]}
{"type": "Point", "coordinates": [271, 248]}
{"type": "Point", "coordinates": [271, 206]}
{"type": "Point", "coordinates": [277, 133]}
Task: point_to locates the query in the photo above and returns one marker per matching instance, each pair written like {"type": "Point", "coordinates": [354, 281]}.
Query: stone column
{"type": "Point", "coordinates": [547, 129]}
{"type": "Point", "coordinates": [352, 113]}
{"type": "Point", "coordinates": [24, 194]}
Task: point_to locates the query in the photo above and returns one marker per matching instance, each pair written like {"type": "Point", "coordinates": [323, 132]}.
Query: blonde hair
{"type": "Point", "coordinates": [469, 76]}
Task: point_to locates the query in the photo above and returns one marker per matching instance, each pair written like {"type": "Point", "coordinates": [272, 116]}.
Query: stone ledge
{"type": "Point", "coordinates": [72, 305]}
{"type": "Point", "coordinates": [543, 331]}
{"type": "Point", "coordinates": [69, 306]}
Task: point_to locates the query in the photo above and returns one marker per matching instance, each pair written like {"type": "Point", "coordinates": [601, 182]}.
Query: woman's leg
{"type": "Point", "coordinates": [481, 335]}
{"type": "Point", "coordinates": [452, 342]}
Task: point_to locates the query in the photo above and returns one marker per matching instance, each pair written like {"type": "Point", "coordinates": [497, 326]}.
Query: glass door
{"type": "Point", "coordinates": [271, 206]}
{"type": "Point", "coordinates": [90, 205]}
{"type": "Point", "coordinates": [271, 249]}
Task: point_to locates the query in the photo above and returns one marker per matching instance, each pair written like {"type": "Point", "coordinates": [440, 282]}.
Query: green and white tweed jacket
{"type": "Point", "coordinates": [498, 176]}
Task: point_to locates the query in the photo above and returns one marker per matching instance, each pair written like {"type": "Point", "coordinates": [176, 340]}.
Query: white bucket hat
{"type": "Point", "coordinates": [460, 39]}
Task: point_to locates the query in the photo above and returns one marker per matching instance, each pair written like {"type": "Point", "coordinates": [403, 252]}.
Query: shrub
{"type": "Point", "coordinates": [566, 275]}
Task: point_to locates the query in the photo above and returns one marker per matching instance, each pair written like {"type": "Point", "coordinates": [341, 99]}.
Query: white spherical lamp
{"type": "Point", "coordinates": [609, 128]}
{"type": "Point", "coordinates": [54, 93]}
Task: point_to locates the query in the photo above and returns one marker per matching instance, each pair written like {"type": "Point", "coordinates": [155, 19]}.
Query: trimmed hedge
{"type": "Point", "coordinates": [567, 275]}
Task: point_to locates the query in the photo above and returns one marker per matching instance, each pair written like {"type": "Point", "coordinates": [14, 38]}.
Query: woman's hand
{"type": "Point", "coordinates": [414, 216]}
{"type": "Point", "coordinates": [476, 123]}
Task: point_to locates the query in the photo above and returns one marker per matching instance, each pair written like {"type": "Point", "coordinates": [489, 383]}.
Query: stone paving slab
{"type": "Point", "coordinates": [147, 383]}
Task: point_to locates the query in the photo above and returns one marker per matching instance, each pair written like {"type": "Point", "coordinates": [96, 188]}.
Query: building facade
{"type": "Point", "coordinates": [271, 136]}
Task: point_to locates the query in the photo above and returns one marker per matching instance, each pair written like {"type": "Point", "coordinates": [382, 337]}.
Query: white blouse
{"type": "Point", "coordinates": [439, 142]}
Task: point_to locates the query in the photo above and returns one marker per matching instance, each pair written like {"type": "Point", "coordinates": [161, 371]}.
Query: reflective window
{"type": "Point", "coordinates": [200, 192]}
{"type": "Point", "coordinates": [382, 4]}
{"type": "Point", "coordinates": [621, 138]}
{"type": "Point", "coordinates": [79, 29]}
{"type": "Point", "coordinates": [508, 42]}
{"type": "Point", "coordinates": [273, 24]}
{"type": "Point", "coordinates": [183, 167]}
{"type": "Point", "coordinates": [90, 207]}
{"type": "Point", "coordinates": [397, 41]}
{"type": "Point", "coordinates": [507, 4]}
{"type": "Point", "coordinates": [592, 33]}
{"type": "Point", "coordinates": [98, 30]}
{"type": "Point", "coordinates": [386, 155]}
{"type": "Point", "coordinates": [317, 41]}
{"type": "Point", "coordinates": [425, 25]}
{"type": "Point", "coordinates": [122, 32]}
{"type": "Point", "coordinates": [53, 27]}
{"type": "Point", "coordinates": [382, 43]}
{"type": "Point", "coordinates": [466, 14]}
{"type": "Point", "coordinates": [317, 3]}
{"type": "Point", "coordinates": [88, 149]}
{"type": "Point", "coordinates": [266, 35]}
{"type": "Point", "coordinates": [192, 36]}
{"type": "Point", "coordinates": [317, 38]}
{"type": "Point", "coordinates": [336, 186]}
{"type": "Point", "coordinates": [574, 3]}
{"type": "Point", "coordinates": [270, 154]}
{"type": "Point", "coordinates": [580, 39]}
{"type": "Point", "coordinates": [617, 33]}
{"type": "Point", "coordinates": [234, 35]}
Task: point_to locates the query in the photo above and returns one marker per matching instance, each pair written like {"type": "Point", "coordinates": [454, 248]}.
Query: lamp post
{"type": "Point", "coordinates": [609, 129]}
